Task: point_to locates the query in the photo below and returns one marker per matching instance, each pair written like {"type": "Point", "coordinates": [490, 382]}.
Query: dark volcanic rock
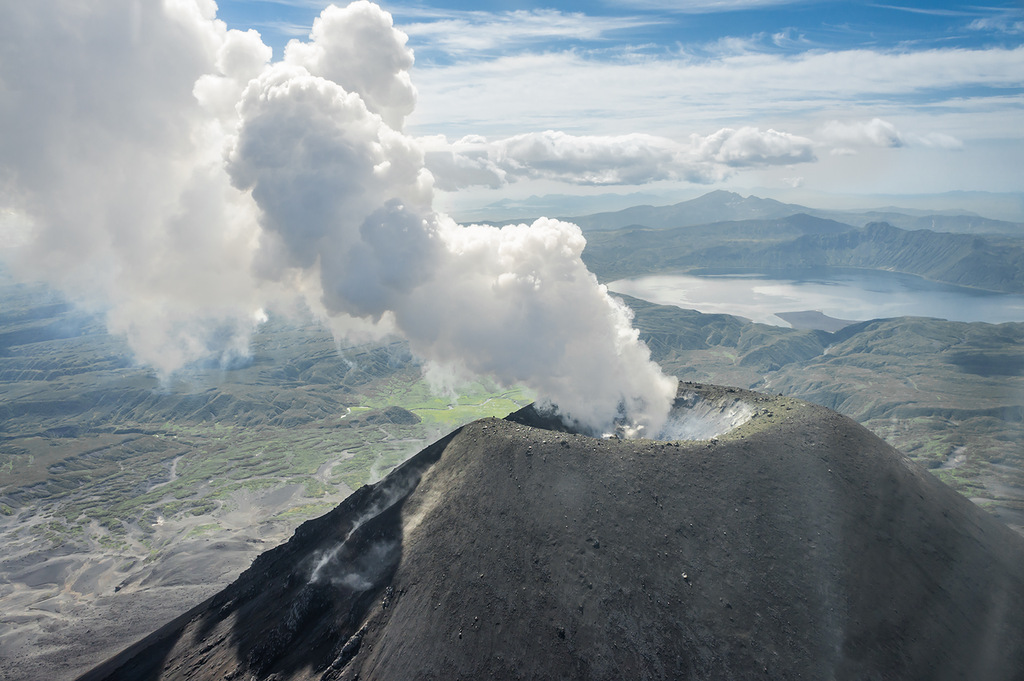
{"type": "Point", "coordinates": [797, 545]}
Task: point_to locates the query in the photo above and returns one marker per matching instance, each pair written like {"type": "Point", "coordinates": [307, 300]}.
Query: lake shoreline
{"type": "Point", "coordinates": [842, 293]}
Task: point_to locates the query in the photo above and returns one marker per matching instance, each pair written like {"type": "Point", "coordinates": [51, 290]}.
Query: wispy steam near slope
{"type": "Point", "coordinates": [160, 166]}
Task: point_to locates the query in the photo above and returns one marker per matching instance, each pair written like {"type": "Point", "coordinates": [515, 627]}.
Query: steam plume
{"type": "Point", "coordinates": [166, 169]}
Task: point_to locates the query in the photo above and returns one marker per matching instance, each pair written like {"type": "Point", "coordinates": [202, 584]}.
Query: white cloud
{"type": "Point", "coordinates": [1010, 23]}
{"type": "Point", "coordinates": [116, 168]}
{"type": "Point", "coordinates": [789, 38]}
{"type": "Point", "coordinates": [190, 195]}
{"type": "Point", "coordinates": [671, 97]}
{"type": "Point", "coordinates": [609, 160]}
{"type": "Point", "coordinates": [626, 159]}
{"type": "Point", "coordinates": [345, 202]}
{"type": "Point", "coordinates": [874, 133]}
{"type": "Point", "coordinates": [929, 11]}
{"type": "Point", "coordinates": [702, 6]}
{"type": "Point", "coordinates": [748, 147]}
{"type": "Point", "coordinates": [358, 48]}
{"type": "Point", "coordinates": [311, 4]}
{"type": "Point", "coordinates": [464, 33]}
{"type": "Point", "coordinates": [935, 139]}
{"type": "Point", "coordinates": [847, 136]}
{"type": "Point", "coordinates": [463, 163]}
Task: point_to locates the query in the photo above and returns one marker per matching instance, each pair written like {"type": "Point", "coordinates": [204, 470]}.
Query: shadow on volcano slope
{"type": "Point", "coordinates": [794, 544]}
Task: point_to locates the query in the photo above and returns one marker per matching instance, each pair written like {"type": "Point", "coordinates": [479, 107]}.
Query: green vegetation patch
{"type": "Point", "coordinates": [304, 511]}
{"type": "Point", "coordinates": [204, 529]}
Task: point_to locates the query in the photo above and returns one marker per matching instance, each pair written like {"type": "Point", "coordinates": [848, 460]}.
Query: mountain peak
{"type": "Point", "coordinates": [793, 544]}
{"type": "Point", "coordinates": [718, 195]}
{"type": "Point", "coordinates": [716, 206]}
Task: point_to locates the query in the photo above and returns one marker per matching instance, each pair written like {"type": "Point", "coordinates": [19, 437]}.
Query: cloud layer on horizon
{"type": "Point", "coordinates": [608, 160]}
{"type": "Point", "coordinates": [635, 159]}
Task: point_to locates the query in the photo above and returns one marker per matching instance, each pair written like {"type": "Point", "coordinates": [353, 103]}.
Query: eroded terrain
{"type": "Point", "coordinates": [124, 500]}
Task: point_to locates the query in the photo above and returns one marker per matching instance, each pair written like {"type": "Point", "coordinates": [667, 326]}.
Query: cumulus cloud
{"type": "Point", "coordinates": [609, 160]}
{"type": "Point", "coordinates": [164, 170]}
{"type": "Point", "coordinates": [465, 162]}
{"type": "Point", "coordinates": [873, 133]}
{"type": "Point", "coordinates": [624, 159]}
{"type": "Point", "coordinates": [747, 147]}
{"type": "Point", "coordinates": [358, 48]}
{"type": "Point", "coordinates": [847, 136]}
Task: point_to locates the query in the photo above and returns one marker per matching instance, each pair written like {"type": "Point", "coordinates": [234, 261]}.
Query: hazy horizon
{"type": "Point", "coordinates": [1008, 206]}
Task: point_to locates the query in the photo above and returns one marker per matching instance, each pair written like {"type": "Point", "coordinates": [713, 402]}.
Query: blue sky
{"type": "Point", "coordinates": [659, 27]}
{"type": "Point", "coordinates": [886, 98]}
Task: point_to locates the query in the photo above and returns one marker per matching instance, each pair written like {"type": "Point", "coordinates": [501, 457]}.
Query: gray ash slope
{"type": "Point", "coordinates": [797, 545]}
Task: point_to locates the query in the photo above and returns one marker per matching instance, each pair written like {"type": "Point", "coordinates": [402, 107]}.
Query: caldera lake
{"type": "Point", "coordinates": [841, 293]}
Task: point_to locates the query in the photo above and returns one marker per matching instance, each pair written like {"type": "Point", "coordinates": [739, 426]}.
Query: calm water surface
{"type": "Point", "coordinates": [841, 293]}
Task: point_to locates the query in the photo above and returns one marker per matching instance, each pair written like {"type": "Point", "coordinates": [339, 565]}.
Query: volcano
{"type": "Point", "coordinates": [786, 542]}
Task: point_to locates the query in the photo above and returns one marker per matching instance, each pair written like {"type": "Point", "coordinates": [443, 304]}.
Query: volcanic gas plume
{"type": "Point", "coordinates": [165, 170]}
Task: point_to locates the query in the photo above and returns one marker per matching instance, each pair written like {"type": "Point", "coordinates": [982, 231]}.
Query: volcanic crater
{"type": "Point", "coordinates": [779, 540]}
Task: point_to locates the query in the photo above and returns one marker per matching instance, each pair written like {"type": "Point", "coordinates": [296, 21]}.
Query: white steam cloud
{"type": "Point", "coordinates": [159, 165]}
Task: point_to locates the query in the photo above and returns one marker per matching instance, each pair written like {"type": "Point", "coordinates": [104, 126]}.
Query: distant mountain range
{"type": "Point", "coordinates": [724, 206]}
{"type": "Point", "coordinates": [717, 206]}
{"type": "Point", "coordinates": [801, 241]}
